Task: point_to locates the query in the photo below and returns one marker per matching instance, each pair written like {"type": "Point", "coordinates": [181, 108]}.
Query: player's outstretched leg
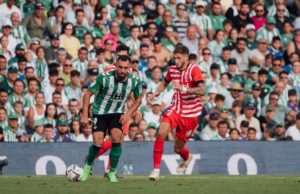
{"type": "Point", "coordinates": [158, 150]}
{"type": "Point", "coordinates": [93, 151]}
{"type": "Point", "coordinates": [186, 159]}
{"type": "Point", "coordinates": [114, 157]}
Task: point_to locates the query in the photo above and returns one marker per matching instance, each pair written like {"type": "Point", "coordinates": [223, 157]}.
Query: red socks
{"type": "Point", "coordinates": [105, 147]}
{"type": "Point", "coordinates": [185, 153]}
{"type": "Point", "coordinates": [158, 151]}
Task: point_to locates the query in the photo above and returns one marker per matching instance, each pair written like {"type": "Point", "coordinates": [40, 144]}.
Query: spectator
{"type": "Point", "coordinates": [56, 21]}
{"type": "Point", "coordinates": [133, 41]}
{"type": "Point", "coordinates": [268, 31]}
{"type": "Point", "coordinates": [132, 130]}
{"type": "Point", "coordinates": [72, 90]}
{"type": "Point", "coordinates": [50, 86]}
{"type": "Point", "coordinates": [222, 131]}
{"type": "Point", "coordinates": [201, 21]}
{"type": "Point", "coordinates": [36, 23]}
{"type": "Point", "coordinates": [37, 111]}
{"type": "Point", "coordinates": [259, 20]}
{"type": "Point", "coordinates": [235, 93]}
{"type": "Point", "coordinates": [250, 109]}
{"type": "Point", "coordinates": [242, 19]}
{"type": "Point", "coordinates": [6, 9]}
{"type": "Point", "coordinates": [191, 40]}
{"type": "Point", "coordinates": [48, 133]}
{"type": "Point", "coordinates": [234, 134]}
{"type": "Point", "coordinates": [65, 74]}
{"type": "Point", "coordinates": [211, 130]}
{"type": "Point", "coordinates": [10, 131]}
{"type": "Point", "coordinates": [11, 40]}
{"type": "Point", "coordinates": [50, 116]}
{"type": "Point", "coordinates": [251, 134]}
{"type": "Point", "coordinates": [86, 135]}
{"type": "Point", "coordinates": [280, 131]}
{"type": "Point", "coordinates": [241, 54]}
{"type": "Point", "coordinates": [217, 44]}
{"type": "Point", "coordinates": [114, 36]}
{"type": "Point", "coordinates": [38, 134]}
{"type": "Point", "coordinates": [80, 29]}
{"type": "Point", "coordinates": [3, 117]}
{"type": "Point", "coordinates": [62, 134]}
{"type": "Point", "coordinates": [181, 20]}
{"type": "Point", "coordinates": [294, 130]}
{"type": "Point", "coordinates": [51, 51]}
{"type": "Point", "coordinates": [155, 113]}
{"type": "Point", "coordinates": [69, 42]}
{"type": "Point", "coordinates": [151, 132]}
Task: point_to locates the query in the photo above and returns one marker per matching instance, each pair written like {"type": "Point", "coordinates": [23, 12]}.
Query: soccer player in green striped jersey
{"type": "Point", "coordinates": [112, 89]}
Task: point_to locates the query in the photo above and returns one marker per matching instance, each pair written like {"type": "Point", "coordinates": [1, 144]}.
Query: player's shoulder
{"type": "Point", "coordinates": [133, 77]}
{"type": "Point", "coordinates": [106, 74]}
{"type": "Point", "coordinates": [194, 67]}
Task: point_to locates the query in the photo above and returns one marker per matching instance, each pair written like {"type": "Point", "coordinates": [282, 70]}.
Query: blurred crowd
{"type": "Point", "coordinates": [52, 51]}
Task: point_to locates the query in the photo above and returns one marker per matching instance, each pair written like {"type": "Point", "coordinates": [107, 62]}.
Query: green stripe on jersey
{"type": "Point", "coordinates": [111, 95]}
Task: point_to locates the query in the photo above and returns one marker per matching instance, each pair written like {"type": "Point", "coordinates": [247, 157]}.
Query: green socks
{"type": "Point", "coordinates": [93, 152]}
{"type": "Point", "coordinates": [114, 156]}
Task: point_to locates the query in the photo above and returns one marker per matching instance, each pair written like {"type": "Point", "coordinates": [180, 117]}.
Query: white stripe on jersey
{"type": "Point", "coordinates": [108, 95]}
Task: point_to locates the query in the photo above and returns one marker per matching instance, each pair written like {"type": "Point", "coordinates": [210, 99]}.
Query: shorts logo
{"type": "Point", "coordinates": [95, 123]}
{"type": "Point", "coordinates": [188, 133]}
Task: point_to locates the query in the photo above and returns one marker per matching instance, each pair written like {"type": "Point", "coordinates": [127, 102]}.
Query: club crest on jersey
{"type": "Point", "coordinates": [188, 133]}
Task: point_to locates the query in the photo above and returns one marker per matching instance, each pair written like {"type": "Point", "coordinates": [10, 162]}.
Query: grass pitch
{"type": "Point", "coordinates": [219, 184]}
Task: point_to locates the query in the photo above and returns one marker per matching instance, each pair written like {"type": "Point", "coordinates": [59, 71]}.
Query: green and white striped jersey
{"type": "Point", "coordinates": [112, 94]}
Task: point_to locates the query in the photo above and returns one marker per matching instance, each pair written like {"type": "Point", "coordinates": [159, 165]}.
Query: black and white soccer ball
{"type": "Point", "coordinates": [74, 172]}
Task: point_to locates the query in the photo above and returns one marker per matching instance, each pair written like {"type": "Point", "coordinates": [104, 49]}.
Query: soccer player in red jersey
{"type": "Point", "coordinates": [184, 110]}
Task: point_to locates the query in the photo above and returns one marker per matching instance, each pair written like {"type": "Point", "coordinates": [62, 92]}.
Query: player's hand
{"type": "Point", "coordinates": [124, 118]}
{"type": "Point", "coordinates": [155, 94]}
{"type": "Point", "coordinates": [176, 85]}
{"type": "Point", "coordinates": [84, 121]}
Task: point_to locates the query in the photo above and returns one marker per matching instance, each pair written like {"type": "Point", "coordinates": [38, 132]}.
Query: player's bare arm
{"type": "Point", "coordinates": [162, 86]}
{"type": "Point", "coordinates": [86, 102]}
{"type": "Point", "coordinates": [199, 90]}
{"type": "Point", "coordinates": [125, 117]}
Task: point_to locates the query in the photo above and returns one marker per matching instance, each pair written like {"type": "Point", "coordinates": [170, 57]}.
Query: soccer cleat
{"type": "Point", "coordinates": [91, 171]}
{"type": "Point", "coordinates": [86, 172]}
{"type": "Point", "coordinates": [111, 177]}
{"type": "Point", "coordinates": [183, 165]}
{"type": "Point", "coordinates": [154, 176]}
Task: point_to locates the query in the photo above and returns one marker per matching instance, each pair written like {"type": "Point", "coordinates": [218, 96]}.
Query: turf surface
{"type": "Point", "coordinates": [202, 184]}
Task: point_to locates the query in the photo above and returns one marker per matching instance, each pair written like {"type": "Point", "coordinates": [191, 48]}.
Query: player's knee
{"type": "Point", "coordinates": [177, 149]}
{"type": "Point", "coordinates": [162, 134]}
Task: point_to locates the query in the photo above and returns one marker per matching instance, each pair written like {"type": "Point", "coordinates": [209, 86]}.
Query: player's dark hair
{"type": "Point", "coordinates": [124, 58]}
{"type": "Point", "coordinates": [182, 49]}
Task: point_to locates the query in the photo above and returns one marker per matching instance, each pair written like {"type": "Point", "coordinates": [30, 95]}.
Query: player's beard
{"type": "Point", "coordinates": [181, 66]}
{"type": "Point", "coordinates": [121, 77]}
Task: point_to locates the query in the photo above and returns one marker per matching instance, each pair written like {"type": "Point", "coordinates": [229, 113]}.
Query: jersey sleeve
{"type": "Point", "coordinates": [197, 74]}
{"type": "Point", "coordinates": [96, 85]}
{"type": "Point", "coordinates": [137, 91]}
{"type": "Point", "coordinates": [168, 77]}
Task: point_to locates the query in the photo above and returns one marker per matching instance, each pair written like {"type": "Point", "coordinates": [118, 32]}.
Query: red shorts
{"type": "Point", "coordinates": [185, 126]}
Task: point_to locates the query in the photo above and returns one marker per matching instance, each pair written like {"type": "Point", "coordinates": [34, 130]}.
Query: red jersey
{"type": "Point", "coordinates": [185, 104]}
